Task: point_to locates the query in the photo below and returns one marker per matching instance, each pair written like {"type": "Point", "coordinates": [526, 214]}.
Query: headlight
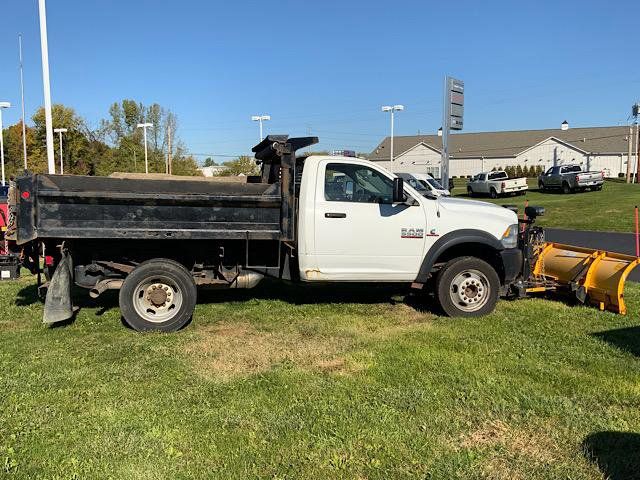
{"type": "Point", "coordinates": [510, 236]}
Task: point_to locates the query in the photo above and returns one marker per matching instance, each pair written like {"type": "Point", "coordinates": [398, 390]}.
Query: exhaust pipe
{"type": "Point", "coordinates": [104, 285]}
{"type": "Point", "coordinates": [247, 279]}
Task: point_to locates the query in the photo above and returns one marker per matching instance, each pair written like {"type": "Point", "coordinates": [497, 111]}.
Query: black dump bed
{"type": "Point", "coordinates": [58, 206]}
{"type": "Point", "coordinates": [68, 206]}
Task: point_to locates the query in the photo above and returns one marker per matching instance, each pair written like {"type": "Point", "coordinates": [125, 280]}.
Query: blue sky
{"type": "Point", "coordinates": [327, 66]}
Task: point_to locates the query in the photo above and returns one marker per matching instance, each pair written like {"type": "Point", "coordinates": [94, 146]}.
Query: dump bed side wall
{"type": "Point", "coordinates": [94, 207]}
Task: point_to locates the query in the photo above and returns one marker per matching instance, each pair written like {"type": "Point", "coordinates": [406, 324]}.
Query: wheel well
{"type": "Point", "coordinates": [478, 250]}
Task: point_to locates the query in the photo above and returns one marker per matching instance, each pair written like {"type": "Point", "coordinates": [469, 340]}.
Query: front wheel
{"type": "Point", "coordinates": [159, 295]}
{"type": "Point", "coordinates": [470, 191]}
{"type": "Point", "coordinates": [467, 287]}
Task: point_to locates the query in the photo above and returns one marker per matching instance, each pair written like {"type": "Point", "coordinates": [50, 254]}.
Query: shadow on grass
{"type": "Point", "coordinates": [617, 454]}
{"type": "Point", "coordinates": [308, 293]}
{"type": "Point", "coordinates": [626, 339]}
{"type": "Point", "coordinates": [294, 294]}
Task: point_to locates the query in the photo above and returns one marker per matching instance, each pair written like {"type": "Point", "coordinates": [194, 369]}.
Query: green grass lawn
{"type": "Point", "coordinates": [610, 210]}
{"type": "Point", "coordinates": [324, 383]}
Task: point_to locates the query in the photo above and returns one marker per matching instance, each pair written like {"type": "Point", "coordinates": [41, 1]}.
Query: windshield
{"type": "Point", "coordinates": [410, 179]}
{"type": "Point", "coordinates": [434, 183]}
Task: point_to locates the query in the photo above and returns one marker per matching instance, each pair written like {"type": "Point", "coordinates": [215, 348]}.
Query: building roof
{"type": "Point", "coordinates": [510, 143]}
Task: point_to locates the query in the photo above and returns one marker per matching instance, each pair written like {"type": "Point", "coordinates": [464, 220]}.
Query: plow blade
{"type": "Point", "coordinates": [594, 276]}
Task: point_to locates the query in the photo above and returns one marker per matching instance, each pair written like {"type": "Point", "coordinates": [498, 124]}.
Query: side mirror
{"type": "Point", "coordinates": [398, 190]}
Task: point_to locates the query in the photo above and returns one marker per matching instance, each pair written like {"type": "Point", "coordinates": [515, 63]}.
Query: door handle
{"type": "Point", "coordinates": [335, 215]}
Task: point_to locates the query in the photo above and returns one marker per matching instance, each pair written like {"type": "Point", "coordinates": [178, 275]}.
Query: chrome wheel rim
{"type": "Point", "coordinates": [157, 299]}
{"type": "Point", "coordinates": [470, 290]}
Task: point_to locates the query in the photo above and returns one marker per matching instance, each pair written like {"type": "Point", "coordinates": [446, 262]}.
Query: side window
{"type": "Point", "coordinates": [550, 171]}
{"type": "Point", "coordinates": [356, 183]}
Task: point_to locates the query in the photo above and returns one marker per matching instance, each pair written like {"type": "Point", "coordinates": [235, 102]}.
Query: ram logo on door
{"type": "Point", "coordinates": [412, 233]}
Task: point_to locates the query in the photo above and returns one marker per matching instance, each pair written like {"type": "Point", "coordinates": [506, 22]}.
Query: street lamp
{"type": "Point", "coordinates": [60, 131]}
{"type": "Point", "coordinates": [260, 119]}
{"type": "Point", "coordinates": [392, 110]}
{"type": "Point", "coordinates": [144, 127]}
{"type": "Point", "coordinates": [2, 105]}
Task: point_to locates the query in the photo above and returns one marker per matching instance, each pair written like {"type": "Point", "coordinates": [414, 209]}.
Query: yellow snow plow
{"type": "Point", "coordinates": [594, 277]}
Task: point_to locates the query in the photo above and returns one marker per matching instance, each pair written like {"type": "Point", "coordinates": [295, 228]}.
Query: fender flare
{"type": "Point", "coordinates": [451, 239]}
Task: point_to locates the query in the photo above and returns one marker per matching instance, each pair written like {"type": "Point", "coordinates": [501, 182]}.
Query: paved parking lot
{"type": "Point", "coordinates": [611, 241]}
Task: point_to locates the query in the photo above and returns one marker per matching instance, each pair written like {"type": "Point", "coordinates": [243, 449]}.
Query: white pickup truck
{"type": "Point", "coordinates": [313, 219]}
{"type": "Point", "coordinates": [495, 184]}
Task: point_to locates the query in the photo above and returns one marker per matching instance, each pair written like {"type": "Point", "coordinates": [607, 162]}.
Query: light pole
{"type": "Point", "coordinates": [2, 105]}
{"type": "Point", "coordinates": [260, 119]}
{"type": "Point", "coordinates": [60, 131]}
{"type": "Point", "coordinates": [24, 127]}
{"type": "Point", "coordinates": [392, 110]}
{"type": "Point", "coordinates": [144, 127]}
{"type": "Point", "coordinates": [46, 85]}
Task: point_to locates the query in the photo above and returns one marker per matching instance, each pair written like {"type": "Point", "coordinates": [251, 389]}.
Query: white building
{"type": "Point", "coordinates": [596, 148]}
{"type": "Point", "coordinates": [213, 170]}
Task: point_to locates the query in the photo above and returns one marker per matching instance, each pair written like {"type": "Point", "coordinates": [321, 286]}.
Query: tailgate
{"type": "Point", "coordinates": [589, 177]}
{"type": "Point", "coordinates": [515, 184]}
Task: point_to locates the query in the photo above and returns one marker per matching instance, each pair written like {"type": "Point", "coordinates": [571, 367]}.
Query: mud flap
{"type": "Point", "coordinates": [57, 304]}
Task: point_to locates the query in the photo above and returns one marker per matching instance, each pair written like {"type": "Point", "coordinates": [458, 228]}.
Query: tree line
{"type": "Point", "coordinates": [116, 145]}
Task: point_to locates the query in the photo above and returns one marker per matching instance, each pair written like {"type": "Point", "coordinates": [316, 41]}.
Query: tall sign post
{"type": "Point", "coordinates": [452, 114]}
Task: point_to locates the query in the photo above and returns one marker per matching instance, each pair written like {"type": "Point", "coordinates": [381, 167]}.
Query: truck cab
{"type": "Point", "coordinates": [351, 229]}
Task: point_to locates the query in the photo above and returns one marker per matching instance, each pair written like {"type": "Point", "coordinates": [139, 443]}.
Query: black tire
{"type": "Point", "coordinates": [566, 189]}
{"type": "Point", "coordinates": [541, 186]}
{"type": "Point", "coordinates": [159, 277]}
{"type": "Point", "coordinates": [475, 274]}
{"type": "Point", "coordinates": [493, 193]}
{"type": "Point", "coordinates": [598, 188]}
{"type": "Point", "coordinates": [470, 191]}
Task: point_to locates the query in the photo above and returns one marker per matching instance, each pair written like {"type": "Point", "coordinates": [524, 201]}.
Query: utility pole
{"type": "Point", "coordinates": [24, 128]}
{"type": "Point", "coordinates": [144, 127]}
{"type": "Point", "coordinates": [169, 165]}
{"type": "Point", "coordinates": [60, 131]}
{"type": "Point", "coordinates": [46, 85]}
{"type": "Point", "coordinates": [637, 152]}
{"type": "Point", "coordinates": [635, 112]}
{"type": "Point", "coordinates": [630, 145]}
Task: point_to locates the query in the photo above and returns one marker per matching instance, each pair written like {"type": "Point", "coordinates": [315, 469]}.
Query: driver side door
{"type": "Point", "coordinates": [359, 233]}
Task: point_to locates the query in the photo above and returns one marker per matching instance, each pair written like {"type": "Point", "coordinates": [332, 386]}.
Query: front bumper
{"type": "Point", "coordinates": [512, 264]}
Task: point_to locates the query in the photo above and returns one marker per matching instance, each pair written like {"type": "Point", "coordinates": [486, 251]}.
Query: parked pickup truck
{"type": "Point", "coordinates": [570, 178]}
{"type": "Point", "coordinates": [424, 183]}
{"type": "Point", "coordinates": [495, 184]}
{"type": "Point", "coordinates": [308, 219]}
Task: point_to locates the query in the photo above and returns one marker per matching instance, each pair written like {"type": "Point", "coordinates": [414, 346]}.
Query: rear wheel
{"type": "Point", "coordinates": [493, 193]}
{"type": "Point", "coordinates": [566, 188]}
{"type": "Point", "coordinates": [467, 287]}
{"type": "Point", "coordinates": [159, 295]}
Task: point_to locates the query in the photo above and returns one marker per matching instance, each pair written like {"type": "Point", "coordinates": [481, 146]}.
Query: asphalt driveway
{"type": "Point", "coordinates": [611, 241]}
